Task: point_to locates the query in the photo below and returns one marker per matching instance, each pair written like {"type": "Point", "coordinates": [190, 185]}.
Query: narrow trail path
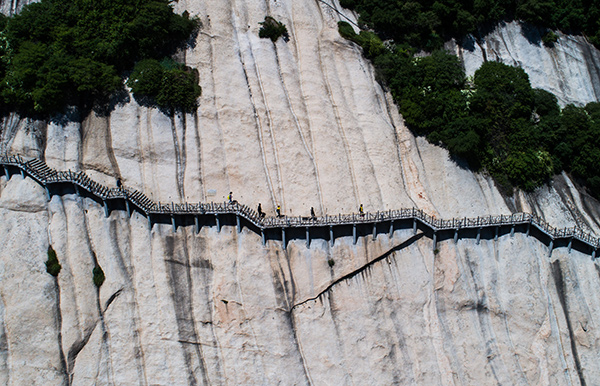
{"type": "Point", "coordinates": [81, 182]}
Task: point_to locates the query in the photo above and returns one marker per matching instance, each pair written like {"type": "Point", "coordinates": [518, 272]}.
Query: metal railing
{"type": "Point", "coordinates": [43, 174]}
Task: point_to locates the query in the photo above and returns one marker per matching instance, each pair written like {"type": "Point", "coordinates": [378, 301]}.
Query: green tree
{"type": "Point", "coordinates": [77, 52]}
{"type": "Point", "coordinates": [169, 85]}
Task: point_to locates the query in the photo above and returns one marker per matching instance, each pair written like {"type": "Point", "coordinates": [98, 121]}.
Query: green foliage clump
{"type": "Point", "coordinates": [494, 121]}
{"type": "Point", "coordinates": [346, 30]}
{"type": "Point", "coordinates": [549, 39]}
{"type": "Point", "coordinates": [52, 265]}
{"type": "Point", "coordinates": [488, 122]}
{"type": "Point", "coordinates": [369, 41]}
{"type": "Point", "coordinates": [272, 29]}
{"type": "Point", "coordinates": [427, 24]}
{"type": "Point", "coordinates": [168, 84]}
{"type": "Point", "coordinates": [60, 53]}
{"type": "Point", "coordinates": [98, 276]}
{"type": "Point", "coordinates": [575, 143]}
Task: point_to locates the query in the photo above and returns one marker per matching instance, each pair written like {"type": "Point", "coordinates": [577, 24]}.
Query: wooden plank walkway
{"type": "Point", "coordinates": [46, 176]}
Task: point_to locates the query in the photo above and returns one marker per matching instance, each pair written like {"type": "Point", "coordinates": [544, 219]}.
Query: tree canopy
{"type": "Point", "coordinates": [428, 23]}
{"type": "Point", "coordinates": [495, 120]}
{"type": "Point", "coordinates": [60, 53]}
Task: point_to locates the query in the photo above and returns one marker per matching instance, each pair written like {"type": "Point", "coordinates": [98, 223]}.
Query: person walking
{"type": "Point", "coordinates": [312, 213]}
{"type": "Point", "coordinates": [261, 214]}
{"type": "Point", "coordinates": [278, 211]}
{"type": "Point", "coordinates": [230, 197]}
{"type": "Point", "coordinates": [361, 210]}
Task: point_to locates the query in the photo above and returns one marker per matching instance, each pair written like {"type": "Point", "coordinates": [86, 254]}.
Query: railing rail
{"type": "Point", "coordinates": [43, 174]}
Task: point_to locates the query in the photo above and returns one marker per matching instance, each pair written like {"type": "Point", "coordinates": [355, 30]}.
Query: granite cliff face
{"type": "Point", "coordinates": [299, 124]}
{"type": "Point", "coordinates": [570, 69]}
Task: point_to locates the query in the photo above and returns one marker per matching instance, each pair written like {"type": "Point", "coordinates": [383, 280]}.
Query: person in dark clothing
{"type": "Point", "coordinates": [119, 183]}
{"type": "Point", "coordinates": [261, 214]}
{"type": "Point", "coordinates": [278, 211]}
{"type": "Point", "coordinates": [312, 213]}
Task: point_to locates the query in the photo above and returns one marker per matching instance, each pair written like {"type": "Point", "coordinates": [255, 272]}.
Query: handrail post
{"type": "Point", "coordinates": [331, 238]}
{"type": "Point", "coordinates": [307, 237]}
{"type": "Point", "coordinates": [196, 224]}
{"type": "Point", "coordinates": [283, 239]}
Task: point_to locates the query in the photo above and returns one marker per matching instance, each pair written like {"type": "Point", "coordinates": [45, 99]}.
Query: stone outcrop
{"type": "Point", "coordinates": [516, 44]}
{"type": "Point", "coordinates": [300, 124]}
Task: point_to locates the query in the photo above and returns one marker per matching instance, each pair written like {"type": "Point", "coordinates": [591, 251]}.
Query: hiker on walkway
{"type": "Point", "coordinates": [278, 211]}
{"type": "Point", "coordinates": [361, 210]}
{"type": "Point", "coordinates": [230, 197]}
{"type": "Point", "coordinates": [261, 214]}
{"type": "Point", "coordinates": [312, 213]}
{"type": "Point", "coordinates": [119, 183]}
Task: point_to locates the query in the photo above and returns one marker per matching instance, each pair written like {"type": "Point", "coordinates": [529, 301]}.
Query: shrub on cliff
{"type": "Point", "coordinates": [59, 53]}
{"type": "Point", "coordinates": [52, 265]}
{"type": "Point", "coordinates": [272, 29]}
{"type": "Point", "coordinates": [167, 84]}
{"type": "Point", "coordinates": [369, 41]}
{"type": "Point", "coordinates": [98, 276]}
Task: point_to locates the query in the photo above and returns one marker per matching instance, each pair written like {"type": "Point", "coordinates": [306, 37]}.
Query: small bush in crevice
{"type": "Point", "coordinates": [52, 265]}
{"type": "Point", "coordinates": [331, 262]}
{"type": "Point", "coordinates": [369, 41]}
{"type": "Point", "coordinates": [98, 276]}
{"type": "Point", "coordinates": [346, 30]}
{"type": "Point", "coordinates": [273, 29]}
{"type": "Point", "coordinates": [549, 39]}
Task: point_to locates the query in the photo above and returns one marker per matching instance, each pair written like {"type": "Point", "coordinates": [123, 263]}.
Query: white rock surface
{"type": "Point", "coordinates": [299, 124]}
{"type": "Point", "coordinates": [570, 69]}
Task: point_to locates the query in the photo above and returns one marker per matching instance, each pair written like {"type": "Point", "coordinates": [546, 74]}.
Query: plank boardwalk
{"type": "Point", "coordinates": [530, 223]}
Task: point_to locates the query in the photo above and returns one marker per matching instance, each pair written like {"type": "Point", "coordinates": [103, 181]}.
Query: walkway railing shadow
{"type": "Point", "coordinates": [286, 227]}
